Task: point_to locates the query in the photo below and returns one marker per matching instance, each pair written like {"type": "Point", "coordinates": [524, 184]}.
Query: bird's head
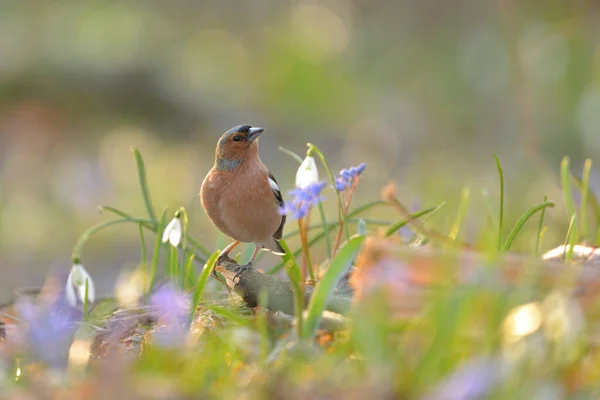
{"type": "Point", "coordinates": [236, 145]}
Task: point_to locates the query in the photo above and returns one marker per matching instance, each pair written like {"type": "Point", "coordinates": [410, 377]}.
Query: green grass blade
{"type": "Point", "coordinates": [538, 237]}
{"type": "Point", "coordinates": [189, 272]}
{"type": "Point", "coordinates": [157, 246]}
{"type": "Point", "coordinates": [565, 176]}
{"type": "Point", "coordinates": [526, 215]}
{"type": "Point", "coordinates": [86, 301]}
{"type": "Point", "coordinates": [146, 223]}
{"type": "Point", "coordinates": [569, 240]}
{"type": "Point", "coordinates": [400, 223]}
{"type": "Point", "coordinates": [291, 153]}
{"type": "Point", "coordinates": [295, 275]}
{"type": "Point", "coordinates": [229, 314]}
{"type": "Point", "coordinates": [85, 236]}
{"type": "Point", "coordinates": [461, 214]}
{"type": "Point", "coordinates": [325, 226]}
{"type": "Point", "coordinates": [327, 284]}
{"type": "Point", "coordinates": [203, 280]}
{"type": "Point", "coordinates": [141, 170]}
{"type": "Point", "coordinates": [312, 147]}
{"type": "Point", "coordinates": [585, 189]}
{"type": "Point", "coordinates": [501, 217]}
{"type": "Point", "coordinates": [318, 237]}
{"type": "Point", "coordinates": [591, 199]}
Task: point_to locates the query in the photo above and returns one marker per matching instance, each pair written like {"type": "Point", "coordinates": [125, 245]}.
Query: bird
{"type": "Point", "coordinates": [241, 196]}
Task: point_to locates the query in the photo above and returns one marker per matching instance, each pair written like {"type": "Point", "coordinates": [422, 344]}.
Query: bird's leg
{"type": "Point", "coordinates": [248, 265]}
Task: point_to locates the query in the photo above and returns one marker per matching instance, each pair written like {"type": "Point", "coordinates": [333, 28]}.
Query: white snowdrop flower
{"type": "Point", "coordinates": [76, 283]}
{"type": "Point", "coordinates": [307, 173]}
{"type": "Point", "coordinates": [173, 232]}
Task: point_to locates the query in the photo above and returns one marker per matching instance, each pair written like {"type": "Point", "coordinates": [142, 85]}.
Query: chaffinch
{"type": "Point", "coordinates": [241, 197]}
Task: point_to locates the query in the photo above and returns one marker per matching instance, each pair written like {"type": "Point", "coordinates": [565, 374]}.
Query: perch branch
{"type": "Point", "coordinates": [251, 282]}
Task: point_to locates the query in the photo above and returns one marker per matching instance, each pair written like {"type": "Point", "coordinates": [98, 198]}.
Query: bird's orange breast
{"type": "Point", "coordinates": [240, 203]}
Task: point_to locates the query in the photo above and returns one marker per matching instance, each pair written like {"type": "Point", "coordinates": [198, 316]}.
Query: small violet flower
{"type": "Point", "coordinates": [472, 381]}
{"type": "Point", "coordinates": [173, 232]}
{"type": "Point", "coordinates": [75, 289]}
{"type": "Point", "coordinates": [307, 173]}
{"type": "Point", "coordinates": [348, 177]}
{"type": "Point", "coordinates": [303, 200]}
{"type": "Point", "coordinates": [171, 307]}
{"type": "Point", "coordinates": [50, 329]}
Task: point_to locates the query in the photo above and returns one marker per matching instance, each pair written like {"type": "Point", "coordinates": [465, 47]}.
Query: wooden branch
{"type": "Point", "coordinates": [251, 282]}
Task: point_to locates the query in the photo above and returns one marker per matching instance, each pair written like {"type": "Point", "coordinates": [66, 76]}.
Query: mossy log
{"type": "Point", "coordinates": [250, 283]}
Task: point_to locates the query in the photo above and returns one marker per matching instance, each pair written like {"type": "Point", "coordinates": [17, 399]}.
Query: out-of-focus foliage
{"type": "Point", "coordinates": [424, 91]}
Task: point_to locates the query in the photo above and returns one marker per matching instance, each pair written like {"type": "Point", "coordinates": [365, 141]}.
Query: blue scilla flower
{"type": "Point", "coordinates": [348, 176]}
{"type": "Point", "coordinates": [303, 200]}
{"type": "Point", "coordinates": [340, 184]}
{"type": "Point", "coordinates": [171, 307]}
{"type": "Point", "coordinates": [50, 329]}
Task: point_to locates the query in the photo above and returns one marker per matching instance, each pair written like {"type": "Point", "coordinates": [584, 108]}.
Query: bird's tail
{"type": "Point", "coordinates": [274, 247]}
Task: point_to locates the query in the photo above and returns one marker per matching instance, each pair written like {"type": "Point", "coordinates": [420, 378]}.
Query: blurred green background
{"type": "Point", "coordinates": [423, 91]}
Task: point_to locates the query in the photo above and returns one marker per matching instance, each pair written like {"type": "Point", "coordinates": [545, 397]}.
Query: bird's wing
{"type": "Point", "coordinates": [279, 199]}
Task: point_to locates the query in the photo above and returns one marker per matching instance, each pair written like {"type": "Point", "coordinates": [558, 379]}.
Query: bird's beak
{"type": "Point", "coordinates": [254, 133]}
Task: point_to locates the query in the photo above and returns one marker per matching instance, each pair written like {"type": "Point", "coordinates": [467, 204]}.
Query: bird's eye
{"type": "Point", "coordinates": [238, 138]}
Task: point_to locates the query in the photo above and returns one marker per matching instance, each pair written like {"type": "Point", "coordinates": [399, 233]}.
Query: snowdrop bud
{"type": "Point", "coordinates": [76, 286]}
{"type": "Point", "coordinates": [173, 232]}
{"type": "Point", "coordinates": [307, 173]}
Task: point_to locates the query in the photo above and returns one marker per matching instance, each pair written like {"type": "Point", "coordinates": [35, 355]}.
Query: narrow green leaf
{"type": "Point", "coordinates": [202, 280]}
{"type": "Point", "coordinates": [229, 314]}
{"type": "Point", "coordinates": [85, 236]}
{"type": "Point", "coordinates": [585, 185]}
{"type": "Point", "coordinates": [565, 176]}
{"type": "Point", "coordinates": [146, 223]}
{"type": "Point", "coordinates": [526, 215]}
{"type": "Point", "coordinates": [327, 284]}
{"type": "Point", "coordinates": [353, 213]}
{"type": "Point", "coordinates": [400, 223]}
{"type": "Point", "coordinates": [569, 240]}
{"type": "Point", "coordinates": [144, 254]}
{"type": "Point", "coordinates": [86, 300]}
{"type": "Point", "coordinates": [189, 272]}
{"type": "Point", "coordinates": [325, 226]}
{"type": "Point", "coordinates": [141, 170]}
{"type": "Point", "coordinates": [460, 215]}
{"type": "Point", "coordinates": [591, 199]}
{"type": "Point", "coordinates": [538, 238]}
{"type": "Point", "coordinates": [263, 327]}
{"type": "Point", "coordinates": [295, 275]}
{"type": "Point", "coordinates": [291, 153]}
{"type": "Point", "coordinates": [501, 217]}
{"type": "Point", "coordinates": [312, 147]}
{"type": "Point", "coordinates": [157, 246]}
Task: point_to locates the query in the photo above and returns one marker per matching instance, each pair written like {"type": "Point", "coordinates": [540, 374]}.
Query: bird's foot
{"type": "Point", "coordinates": [241, 268]}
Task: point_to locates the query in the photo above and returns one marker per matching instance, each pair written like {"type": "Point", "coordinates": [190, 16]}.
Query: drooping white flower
{"type": "Point", "coordinates": [307, 173]}
{"type": "Point", "coordinates": [173, 232]}
{"type": "Point", "coordinates": [76, 286]}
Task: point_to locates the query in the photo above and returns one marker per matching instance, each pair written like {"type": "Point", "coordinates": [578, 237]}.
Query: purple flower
{"type": "Point", "coordinates": [303, 200]}
{"type": "Point", "coordinates": [340, 184]}
{"type": "Point", "coordinates": [348, 177]}
{"type": "Point", "coordinates": [50, 329]}
{"type": "Point", "coordinates": [171, 307]}
{"type": "Point", "coordinates": [471, 381]}
{"type": "Point", "coordinates": [360, 168]}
